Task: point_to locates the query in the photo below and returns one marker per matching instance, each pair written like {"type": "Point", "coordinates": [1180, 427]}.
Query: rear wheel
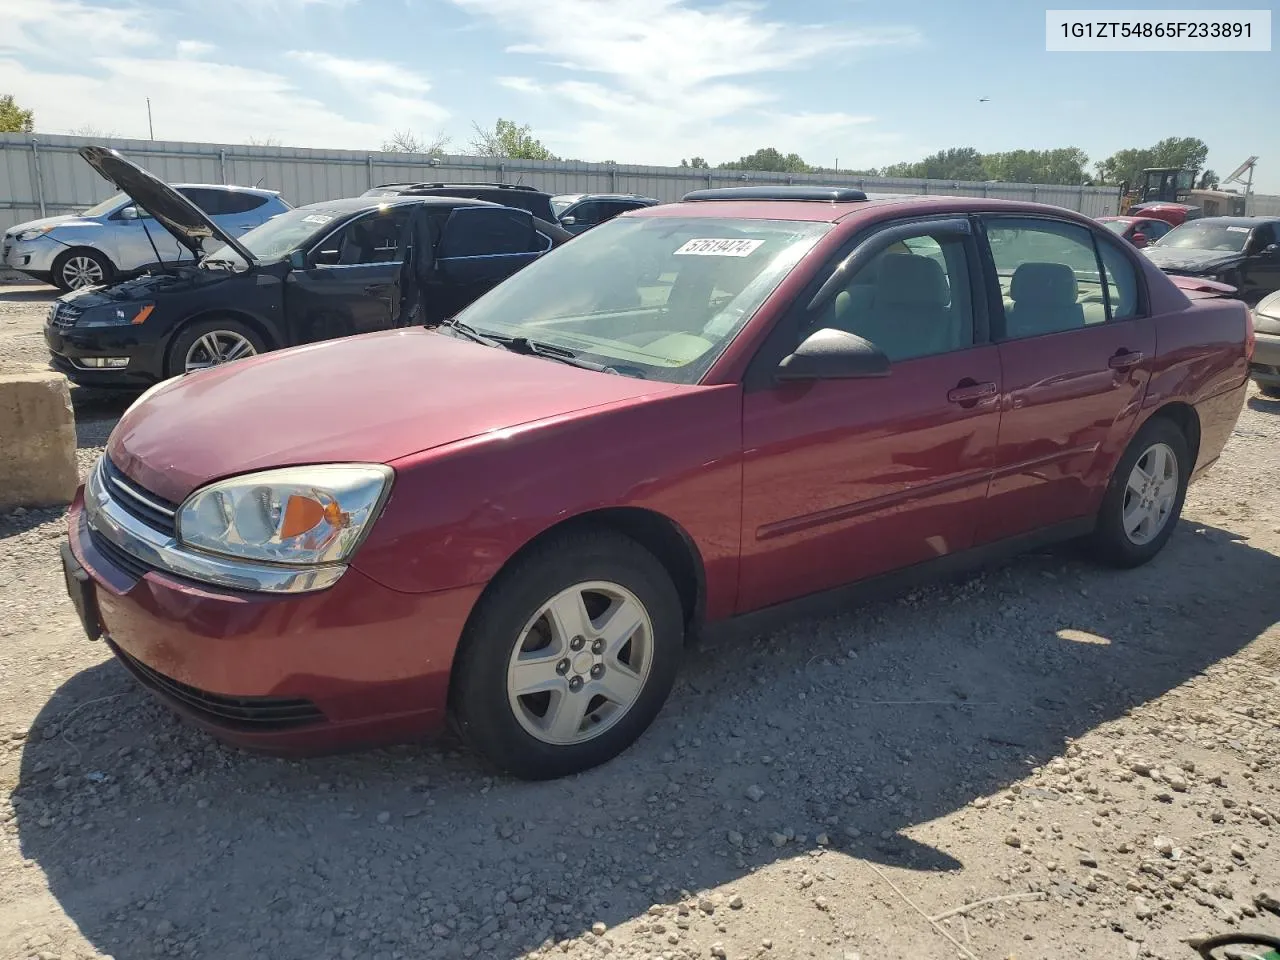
{"type": "Point", "coordinates": [1144, 498]}
{"type": "Point", "coordinates": [569, 656]}
{"type": "Point", "coordinates": [1272, 392]}
{"type": "Point", "coordinates": [212, 343]}
{"type": "Point", "coordinates": [81, 267]}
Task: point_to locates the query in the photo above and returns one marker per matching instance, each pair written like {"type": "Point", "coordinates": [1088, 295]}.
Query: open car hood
{"type": "Point", "coordinates": [182, 218]}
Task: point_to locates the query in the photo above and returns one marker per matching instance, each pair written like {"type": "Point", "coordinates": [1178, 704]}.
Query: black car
{"type": "Point", "coordinates": [1241, 251]}
{"type": "Point", "coordinates": [577, 212]}
{"type": "Point", "coordinates": [517, 195]}
{"type": "Point", "coordinates": [321, 271]}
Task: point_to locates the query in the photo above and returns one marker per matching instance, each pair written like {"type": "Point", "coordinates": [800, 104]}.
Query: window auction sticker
{"type": "Point", "coordinates": [316, 218]}
{"type": "Point", "coordinates": [1178, 31]}
{"type": "Point", "coordinates": [710, 247]}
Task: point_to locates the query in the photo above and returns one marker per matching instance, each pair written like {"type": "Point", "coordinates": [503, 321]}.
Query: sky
{"type": "Point", "coordinates": [851, 82]}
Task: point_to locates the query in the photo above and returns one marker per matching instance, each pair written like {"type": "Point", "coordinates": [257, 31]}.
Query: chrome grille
{"type": "Point", "coordinates": [137, 501]}
{"type": "Point", "coordinates": [64, 314]}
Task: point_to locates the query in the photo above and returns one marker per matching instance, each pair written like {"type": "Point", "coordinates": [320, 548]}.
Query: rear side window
{"type": "Point", "coordinates": [1049, 278]}
{"type": "Point", "coordinates": [494, 233]}
{"type": "Point", "coordinates": [1122, 281]}
{"type": "Point", "coordinates": [233, 201]}
{"type": "Point", "coordinates": [210, 201]}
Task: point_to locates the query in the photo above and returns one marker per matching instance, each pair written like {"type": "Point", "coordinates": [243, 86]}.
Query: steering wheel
{"type": "Point", "coordinates": [1238, 946]}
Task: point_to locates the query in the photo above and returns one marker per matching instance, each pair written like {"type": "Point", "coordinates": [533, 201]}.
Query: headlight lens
{"type": "Point", "coordinates": [35, 232]}
{"type": "Point", "coordinates": [304, 516]}
{"type": "Point", "coordinates": [116, 315]}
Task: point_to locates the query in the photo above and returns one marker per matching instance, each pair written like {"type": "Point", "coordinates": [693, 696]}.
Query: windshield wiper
{"type": "Point", "coordinates": [207, 261]}
{"type": "Point", "coordinates": [535, 349]}
{"type": "Point", "coordinates": [471, 333]}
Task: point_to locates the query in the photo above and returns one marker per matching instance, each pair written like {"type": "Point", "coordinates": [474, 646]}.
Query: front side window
{"type": "Point", "coordinates": [1116, 226]}
{"type": "Point", "coordinates": [1049, 278]}
{"type": "Point", "coordinates": [373, 238]}
{"type": "Point", "coordinates": [653, 297]}
{"type": "Point", "coordinates": [102, 208]}
{"type": "Point", "coordinates": [912, 300]}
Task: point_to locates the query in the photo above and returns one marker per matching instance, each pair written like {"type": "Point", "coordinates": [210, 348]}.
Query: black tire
{"type": "Point", "coordinates": [482, 711]}
{"type": "Point", "coordinates": [1110, 543]}
{"type": "Point", "coordinates": [65, 268]}
{"type": "Point", "coordinates": [180, 346]}
{"type": "Point", "coordinates": [1272, 392]}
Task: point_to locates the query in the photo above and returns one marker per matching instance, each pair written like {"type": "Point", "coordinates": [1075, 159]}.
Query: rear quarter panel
{"type": "Point", "coordinates": [458, 514]}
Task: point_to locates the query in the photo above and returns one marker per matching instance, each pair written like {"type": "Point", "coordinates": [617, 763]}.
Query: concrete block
{"type": "Point", "coordinates": [37, 440]}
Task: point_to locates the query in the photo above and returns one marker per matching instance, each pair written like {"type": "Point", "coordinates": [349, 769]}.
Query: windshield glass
{"type": "Point", "coordinates": [1229, 238]}
{"type": "Point", "coordinates": [280, 235]}
{"type": "Point", "coordinates": [106, 206]}
{"type": "Point", "coordinates": [561, 204]}
{"type": "Point", "coordinates": [1115, 226]}
{"type": "Point", "coordinates": [653, 297]}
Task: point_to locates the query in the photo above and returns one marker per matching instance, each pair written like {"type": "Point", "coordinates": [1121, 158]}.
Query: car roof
{"type": "Point", "coordinates": [603, 196]}
{"type": "Point", "coordinates": [1237, 221]}
{"type": "Point", "coordinates": [834, 211]}
{"type": "Point", "coordinates": [230, 188]}
{"type": "Point", "coordinates": [357, 204]}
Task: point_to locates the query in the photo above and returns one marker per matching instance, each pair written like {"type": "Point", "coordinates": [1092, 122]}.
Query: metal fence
{"type": "Point", "coordinates": [42, 175]}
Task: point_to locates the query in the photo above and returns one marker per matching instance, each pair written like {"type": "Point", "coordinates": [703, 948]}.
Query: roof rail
{"type": "Point", "coordinates": [781, 192]}
{"type": "Point", "coordinates": [437, 186]}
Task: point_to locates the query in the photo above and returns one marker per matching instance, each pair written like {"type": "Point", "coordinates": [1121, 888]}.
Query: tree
{"type": "Point", "coordinates": [767, 158]}
{"type": "Point", "coordinates": [1062, 165]}
{"type": "Point", "coordinates": [1186, 153]}
{"type": "Point", "coordinates": [1209, 180]}
{"type": "Point", "coordinates": [508, 139]}
{"type": "Point", "coordinates": [13, 119]}
{"type": "Point", "coordinates": [697, 163]}
{"type": "Point", "coordinates": [955, 163]}
{"type": "Point", "coordinates": [263, 141]}
{"type": "Point", "coordinates": [406, 141]}
{"type": "Point", "coordinates": [91, 132]}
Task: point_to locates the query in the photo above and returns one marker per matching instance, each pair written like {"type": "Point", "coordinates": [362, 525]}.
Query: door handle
{"type": "Point", "coordinates": [967, 391]}
{"type": "Point", "coordinates": [376, 289]}
{"type": "Point", "coordinates": [1125, 359]}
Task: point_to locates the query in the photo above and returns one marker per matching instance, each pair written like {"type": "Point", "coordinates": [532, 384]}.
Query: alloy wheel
{"type": "Point", "coordinates": [1150, 494]}
{"type": "Point", "coordinates": [82, 271]}
{"type": "Point", "coordinates": [580, 663]}
{"type": "Point", "coordinates": [217, 347]}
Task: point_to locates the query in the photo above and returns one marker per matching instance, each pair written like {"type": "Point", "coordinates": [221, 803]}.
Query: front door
{"type": "Point", "coordinates": [351, 280]}
{"type": "Point", "coordinates": [1261, 273]}
{"type": "Point", "coordinates": [845, 479]}
{"type": "Point", "coordinates": [1076, 357]}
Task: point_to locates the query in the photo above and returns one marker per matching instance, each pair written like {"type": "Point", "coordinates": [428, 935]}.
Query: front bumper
{"type": "Point", "coordinates": [357, 664]}
{"type": "Point", "coordinates": [70, 348]}
{"type": "Point", "coordinates": [33, 257]}
{"type": "Point", "coordinates": [1265, 366]}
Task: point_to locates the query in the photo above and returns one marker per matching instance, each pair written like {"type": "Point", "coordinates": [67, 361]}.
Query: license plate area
{"type": "Point", "coordinates": [81, 591]}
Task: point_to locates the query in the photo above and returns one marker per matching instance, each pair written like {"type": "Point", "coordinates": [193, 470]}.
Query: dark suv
{"type": "Point", "coordinates": [577, 212]}
{"type": "Point", "coordinates": [507, 194]}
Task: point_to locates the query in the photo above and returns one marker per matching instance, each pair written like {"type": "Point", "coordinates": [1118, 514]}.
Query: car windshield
{"type": "Point", "coordinates": [106, 206]}
{"type": "Point", "coordinates": [1227, 237]}
{"type": "Point", "coordinates": [653, 297]}
{"type": "Point", "coordinates": [1115, 226]}
{"type": "Point", "coordinates": [280, 235]}
{"type": "Point", "coordinates": [561, 204]}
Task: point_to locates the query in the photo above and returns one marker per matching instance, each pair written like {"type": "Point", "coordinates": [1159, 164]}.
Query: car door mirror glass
{"type": "Point", "coordinates": [128, 213]}
{"type": "Point", "coordinates": [1139, 239]}
{"type": "Point", "coordinates": [569, 221]}
{"type": "Point", "coordinates": [298, 260]}
{"type": "Point", "coordinates": [830, 354]}
{"type": "Point", "coordinates": [1272, 249]}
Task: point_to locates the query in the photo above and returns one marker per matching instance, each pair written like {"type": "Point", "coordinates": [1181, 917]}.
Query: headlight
{"type": "Point", "coordinates": [35, 232]}
{"type": "Point", "coordinates": [304, 516]}
{"type": "Point", "coordinates": [116, 315]}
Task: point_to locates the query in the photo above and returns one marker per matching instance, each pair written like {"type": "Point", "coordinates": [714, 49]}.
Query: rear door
{"type": "Point", "coordinates": [1261, 274]}
{"type": "Point", "coordinates": [351, 280]}
{"type": "Point", "coordinates": [1076, 356]}
{"type": "Point", "coordinates": [846, 479]}
{"type": "Point", "coordinates": [480, 247]}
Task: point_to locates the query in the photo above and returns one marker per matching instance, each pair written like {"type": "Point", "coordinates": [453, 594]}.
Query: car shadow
{"type": "Point", "coordinates": [861, 726]}
{"type": "Point", "coordinates": [27, 293]}
{"type": "Point", "coordinates": [1264, 404]}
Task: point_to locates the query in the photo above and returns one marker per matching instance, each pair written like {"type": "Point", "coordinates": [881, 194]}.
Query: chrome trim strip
{"type": "Point", "coordinates": [148, 545]}
{"type": "Point", "coordinates": [139, 497]}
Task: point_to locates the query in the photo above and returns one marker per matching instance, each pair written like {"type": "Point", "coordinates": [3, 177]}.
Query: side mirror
{"type": "Point", "coordinates": [129, 213]}
{"type": "Point", "coordinates": [568, 221]}
{"type": "Point", "coordinates": [1139, 239]}
{"type": "Point", "coordinates": [298, 260]}
{"type": "Point", "coordinates": [829, 354]}
{"type": "Point", "coordinates": [1271, 249]}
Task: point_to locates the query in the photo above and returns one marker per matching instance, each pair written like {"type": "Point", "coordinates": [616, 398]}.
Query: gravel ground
{"type": "Point", "coordinates": [1085, 758]}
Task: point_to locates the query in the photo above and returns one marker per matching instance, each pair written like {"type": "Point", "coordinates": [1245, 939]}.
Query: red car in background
{"type": "Point", "coordinates": [692, 413]}
{"type": "Point", "coordinates": [1139, 231]}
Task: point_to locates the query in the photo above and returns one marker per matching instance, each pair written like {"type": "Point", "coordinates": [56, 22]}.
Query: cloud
{"type": "Point", "coordinates": [692, 78]}
{"type": "Point", "coordinates": [41, 29]}
{"type": "Point", "coordinates": [377, 73]}
{"type": "Point", "coordinates": [194, 48]}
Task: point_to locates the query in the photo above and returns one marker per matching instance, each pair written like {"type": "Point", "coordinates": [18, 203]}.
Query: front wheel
{"type": "Point", "coordinates": [1272, 392]}
{"type": "Point", "coordinates": [1144, 498]}
{"type": "Point", "coordinates": [569, 656]}
{"type": "Point", "coordinates": [81, 268]}
{"type": "Point", "coordinates": [212, 343]}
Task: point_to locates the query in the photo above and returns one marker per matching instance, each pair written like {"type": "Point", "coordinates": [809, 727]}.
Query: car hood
{"type": "Point", "coordinates": [1193, 261]}
{"type": "Point", "coordinates": [62, 220]}
{"type": "Point", "coordinates": [371, 399]}
{"type": "Point", "coordinates": [182, 218]}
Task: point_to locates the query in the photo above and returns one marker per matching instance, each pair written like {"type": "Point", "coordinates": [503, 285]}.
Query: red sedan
{"type": "Point", "coordinates": [691, 413]}
{"type": "Point", "coordinates": [1139, 231]}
